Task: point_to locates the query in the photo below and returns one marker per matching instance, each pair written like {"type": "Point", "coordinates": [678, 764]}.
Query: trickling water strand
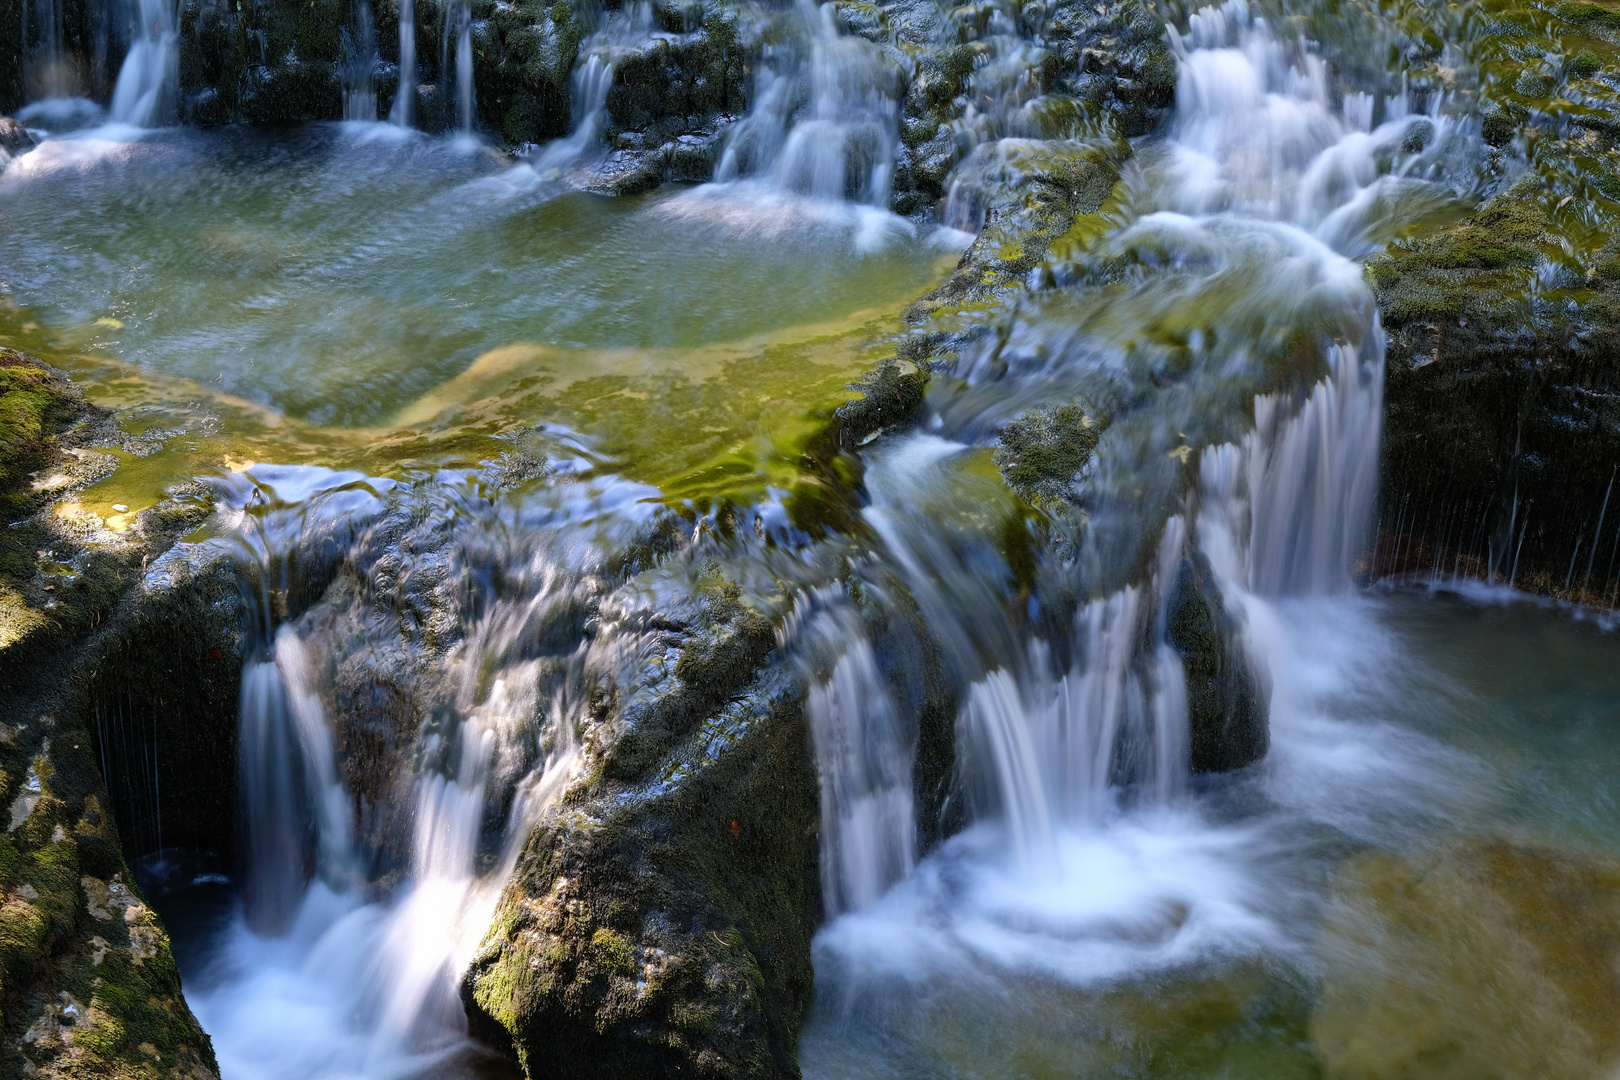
{"type": "Point", "coordinates": [359, 69]}
{"type": "Point", "coordinates": [464, 68]}
{"type": "Point", "coordinates": [869, 829]}
{"type": "Point", "coordinates": [403, 111]}
{"type": "Point", "coordinates": [621, 32]}
{"type": "Point", "coordinates": [46, 71]}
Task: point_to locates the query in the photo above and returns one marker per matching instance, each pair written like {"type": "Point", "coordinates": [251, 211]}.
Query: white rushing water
{"type": "Point", "coordinates": [403, 111]}
{"type": "Point", "coordinates": [320, 975]}
{"type": "Point", "coordinates": [824, 117]}
{"type": "Point", "coordinates": [146, 83]}
{"type": "Point", "coordinates": [1086, 858]}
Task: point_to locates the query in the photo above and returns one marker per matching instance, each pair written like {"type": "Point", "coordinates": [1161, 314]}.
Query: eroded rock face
{"type": "Point", "coordinates": [1492, 958]}
{"type": "Point", "coordinates": [1503, 429]}
{"type": "Point", "coordinates": [87, 983]}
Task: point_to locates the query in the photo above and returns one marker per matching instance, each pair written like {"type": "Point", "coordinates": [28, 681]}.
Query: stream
{"type": "Point", "coordinates": [347, 326]}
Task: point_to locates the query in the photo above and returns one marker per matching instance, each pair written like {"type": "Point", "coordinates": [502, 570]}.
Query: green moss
{"type": "Point", "coordinates": [1584, 65]}
{"type": "Point", "coordinates": [35, 404]}
{"type": "Point", "coordinates": [1043, 452]}
{"type": "Point", "coordinates": [612, 951]}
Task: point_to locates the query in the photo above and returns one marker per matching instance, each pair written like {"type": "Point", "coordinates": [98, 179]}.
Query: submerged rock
{"type": "Point", "coordinates": [1491, 958]}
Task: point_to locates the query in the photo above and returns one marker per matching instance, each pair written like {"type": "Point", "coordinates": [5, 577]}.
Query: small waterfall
{"type": "Point", "coordinates": [825, 116]}
{"type": "Point", "coordinates": [403, 112]}
{"type": "Point", "coordinates": [371, 903]}
{"type": "Point", "coordinates": [46, 69]}
{"type": "Point", "coordinates": [621, 32]}
{"type": "Point", "coordinates": [145, 90]}
{"type": "Point", "coordinates": [457, 27]}
{"type": "Point", "coordinates": [868, 827]}
{"type": "Point", "coordinates": [290, 785]}
{"type": "Point", "coordinates": [359, 68]}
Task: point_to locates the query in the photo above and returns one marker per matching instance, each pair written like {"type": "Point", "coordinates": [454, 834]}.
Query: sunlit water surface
{"type": "Point", "coordinates": [354, 294]}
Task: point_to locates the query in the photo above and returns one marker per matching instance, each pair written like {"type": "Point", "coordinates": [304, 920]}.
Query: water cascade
{"type": "Point", "coordinates": [824, 121]}
{"type": "Point", "coordinates": [449, 828]}
{"type": "Point", "coordinates": [359, 68]}
{"type": "Point", "coordinates": [1276, 190]}
{"type": "Point", "coordinates": [403, 112]}
{"type": "Point", "coordinates": [621, 32]}
{"type": "Point", "coordinates": [1070, 735]}
{"type": "Point", "coordinates": [146, 83]}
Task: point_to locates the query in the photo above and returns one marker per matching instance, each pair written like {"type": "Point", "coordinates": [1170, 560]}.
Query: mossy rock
{"type": "Point", "coordinates": [1503, 366]}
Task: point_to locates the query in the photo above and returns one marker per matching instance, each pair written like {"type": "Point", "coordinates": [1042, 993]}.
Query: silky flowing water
{"type": "Point", "coordinates": [401, 309]}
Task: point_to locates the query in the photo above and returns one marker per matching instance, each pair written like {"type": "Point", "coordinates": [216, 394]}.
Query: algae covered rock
{"type": "Point", "coordinates": [1490, 959]}
{"type": "Point", "coordinates": [1502, 433]}
{"type": "Point", "coordinates": [660, 922]}
{"type": "Point", "coordinates": [88, 987]}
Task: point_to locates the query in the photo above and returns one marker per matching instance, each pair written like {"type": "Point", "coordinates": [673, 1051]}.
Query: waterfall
{"type": "Point", "coordinates": [403, 112]}
{"type": "Point", "coordinates": [1269, 192]}
{"type": "Point", "coordinates": [824, 121]}
{"type": "Point", "coordinates": [359, 69]}
{"type": "Point", "coordinates": [367, 906]}
{"type": "Point", "coordinates": [868, 828]}
{"type": "Point", "coordinates": [147, 81]}
{"type": "Point", "coordinates": [46, 72]}
{"type": "Point", "coordinates": [464, 69]}
{"type": "Point", "coordinates": [621, 32]}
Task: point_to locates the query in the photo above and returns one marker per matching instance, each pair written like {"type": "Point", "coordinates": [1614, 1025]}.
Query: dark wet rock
{"type": "Point", "coordinates": [1488, 958]}
{"type": "Point", "coordinates": [1502, 431]}
{"type": "Point", "coordinates": [1110, 59]}
{"type": "Point", "coordinates": [680, 81]}
{"type": "Point", "coordinates": [1227, 704]}
{"type": "Point", "coordinates": [87, 984]}
{"type": "Point", "coordinates": [626, 172]}
{"type": "Point", "coordinates": [661, 924]}
{"type": "Point", "coordinates": [14, 139]}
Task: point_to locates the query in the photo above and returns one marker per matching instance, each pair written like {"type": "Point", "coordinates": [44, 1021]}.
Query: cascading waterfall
{"type": "Point", "coordinates": [621, 32]}
{"type": "Point", "coordinates": [403, 112]}
{"type": "Point", "coordinates": [387, 965]}
{"type": "Point", "coordinates": [1261, 166]}
{"type": "Point", "coordinates": [146, 83]}
{"type": "Point", "coordinates": [359, 70]}
{"type": "Point", "coordinates": [824, 121]}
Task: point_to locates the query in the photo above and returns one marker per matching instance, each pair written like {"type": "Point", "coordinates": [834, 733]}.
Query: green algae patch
{"type": "Point", "coordinates": [36, 404]}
